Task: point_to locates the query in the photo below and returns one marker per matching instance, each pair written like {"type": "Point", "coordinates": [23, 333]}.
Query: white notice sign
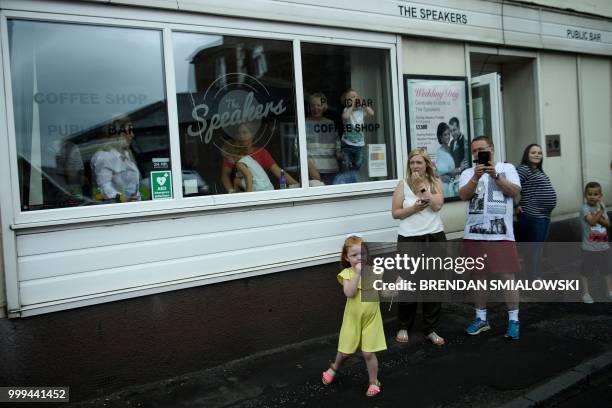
{"type": "Point", "coordinates": [377, 160]}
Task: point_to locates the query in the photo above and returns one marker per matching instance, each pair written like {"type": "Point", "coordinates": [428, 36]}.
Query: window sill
{"type": "Point", "coordinates": [220, 203]}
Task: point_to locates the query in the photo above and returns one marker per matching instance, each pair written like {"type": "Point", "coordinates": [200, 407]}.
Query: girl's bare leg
{"type": "Point", "coordinates": [340, 357]}
{"type": "Point", "coordinates": [372, 365]}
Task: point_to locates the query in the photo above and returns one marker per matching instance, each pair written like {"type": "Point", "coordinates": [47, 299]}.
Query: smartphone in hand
{"type": "Point", "coordinates": [484, 158]}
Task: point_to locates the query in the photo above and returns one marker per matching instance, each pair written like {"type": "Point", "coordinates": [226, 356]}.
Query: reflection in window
{"type": "Point", "coordinates": [90, 114]}
{"type": "Point", "coordinates": [349, 121]}
{"type": "Point", "coordinates": [236, 109]}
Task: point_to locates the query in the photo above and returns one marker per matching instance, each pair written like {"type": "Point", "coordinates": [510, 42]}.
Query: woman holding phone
{"type": "Point", "coordinates": [417, 201]}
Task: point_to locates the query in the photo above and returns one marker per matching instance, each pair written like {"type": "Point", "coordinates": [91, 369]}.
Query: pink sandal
{"type": "Point", "coordinates": [373, 389]}
{"type": "Point", "coordinates": [329, 375]}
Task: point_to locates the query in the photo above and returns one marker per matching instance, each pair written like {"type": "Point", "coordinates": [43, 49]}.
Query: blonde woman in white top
{"type": "Point", "coordinates": [417, 201]}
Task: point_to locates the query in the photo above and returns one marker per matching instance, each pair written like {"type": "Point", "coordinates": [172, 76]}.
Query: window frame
{"type": "Point", "coordinates": [168, 22]}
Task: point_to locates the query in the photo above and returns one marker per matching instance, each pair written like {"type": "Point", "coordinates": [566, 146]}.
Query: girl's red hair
{"type": "Point", "coordinates": [349, 242]}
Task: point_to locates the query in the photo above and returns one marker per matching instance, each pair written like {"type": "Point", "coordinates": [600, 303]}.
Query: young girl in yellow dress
{"type": "Point", "coordinates": [362, 325]}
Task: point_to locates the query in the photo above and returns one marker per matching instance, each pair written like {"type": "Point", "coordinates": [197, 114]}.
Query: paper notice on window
{"type": "Point", "coordinates": [191, 186]}
{"type": "Point", "coordinates": [377, 160]}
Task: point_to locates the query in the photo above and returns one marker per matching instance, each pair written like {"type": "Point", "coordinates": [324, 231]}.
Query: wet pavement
{"type": "Point", "coordinates": [469, 371]}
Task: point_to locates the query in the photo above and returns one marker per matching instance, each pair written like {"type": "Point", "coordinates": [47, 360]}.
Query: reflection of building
{"type": "Point", "coordinates": [151, 141]}
{"type": "Point", "coordinates": [243, 56]}
{"type": "Point", "coordinates": [247, 88]}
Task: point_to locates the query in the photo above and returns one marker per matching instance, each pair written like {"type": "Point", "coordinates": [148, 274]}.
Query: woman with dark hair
{"type": "Point", "coordinates": [538, 199]}
{"type": "Point", "coordinates": [445, 163]}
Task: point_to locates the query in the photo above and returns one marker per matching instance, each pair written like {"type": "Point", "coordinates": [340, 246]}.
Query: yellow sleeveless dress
{"type": "Point", "coordinates": [362, 326]}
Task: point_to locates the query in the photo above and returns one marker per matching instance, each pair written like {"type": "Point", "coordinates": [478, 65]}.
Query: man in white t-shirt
{"type": "Point", "coordinates": [490, 189]}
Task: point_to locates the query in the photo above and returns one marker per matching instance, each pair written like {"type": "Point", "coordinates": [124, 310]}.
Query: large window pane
{"type": "Point", "coordinates": [236, 110]}
{"type": "Point", "coordinates": [349, 115]}
{"type": "Point", "coordinates": [90, 114]}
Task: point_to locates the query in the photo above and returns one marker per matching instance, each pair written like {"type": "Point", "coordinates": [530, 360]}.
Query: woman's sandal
{"type": "Point", "coordinates": [373, 389]}
{"type": "Point", "coordinates": [435, 339]}
{"type": "Point", "coordinates": [402, 336]}
{"type": "Point", "coordinates": [328, 375]}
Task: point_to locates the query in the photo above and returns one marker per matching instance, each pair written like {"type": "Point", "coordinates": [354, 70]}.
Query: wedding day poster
{"type": "Point", "coordinates": [438, 122]}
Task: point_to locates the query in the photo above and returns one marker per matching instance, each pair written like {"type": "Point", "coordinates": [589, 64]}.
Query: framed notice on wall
{"type": "Point", "coordinates": [437, 121]}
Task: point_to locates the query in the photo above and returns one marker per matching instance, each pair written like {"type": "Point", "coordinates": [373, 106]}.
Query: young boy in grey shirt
{"type": "Point", "coordinates": [595, 247]}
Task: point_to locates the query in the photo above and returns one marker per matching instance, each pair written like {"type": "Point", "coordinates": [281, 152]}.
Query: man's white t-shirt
{"type": "Point", "coordinates": [489, 212]}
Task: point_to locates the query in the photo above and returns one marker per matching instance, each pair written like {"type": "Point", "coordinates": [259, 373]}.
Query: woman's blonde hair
{"type": "Point", "coordinates": [430, 172]}
{"type": "Point", "coordinates": [349, 242]}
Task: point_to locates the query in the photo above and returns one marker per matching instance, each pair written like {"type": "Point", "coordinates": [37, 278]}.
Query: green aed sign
{"type": "Point", "coordinates": [161, 185]}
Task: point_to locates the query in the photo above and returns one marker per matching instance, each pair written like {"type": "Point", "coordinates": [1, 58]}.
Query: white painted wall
{"type": "Point", "coordinates": [520, 125]}
{"type": "Point", "coordinates": [62, 265]}
{"type": "Point", "coordinates": [486, 21]}
{"type": "Point", "coordinates": [598, 7]}
{"type": "Point", "coordinates": [596, 121]}
{"type": "Point", "coordinates": [436, 57]}
{"type": "Point", "coordinates": [559, 87]}
{"type": "Point", "coordinates": [433, 57]}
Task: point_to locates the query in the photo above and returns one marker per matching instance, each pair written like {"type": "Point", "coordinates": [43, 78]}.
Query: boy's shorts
{"type": "Point", "coordinates": [501, 257]}
{"type": "Point", "coordinates": [592, 260]}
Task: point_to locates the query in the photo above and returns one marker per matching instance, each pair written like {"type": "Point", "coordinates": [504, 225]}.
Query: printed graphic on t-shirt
{"type": "Point", "coordinates": [353, 137]}
{"type": "Point", "coordinates": [598, 233]}
{"type": "Point", "coordinates": [476, 205]}
{"type": "Point", "coordinates": [487, 209]}
{"type": "Point", "coordinates": [594, 237]}
{"type": "Point", "coordinates": [493, 226]}
{"type": "Point", "coordinates": [495, 194]}
{"type": "Point", "coordinates": [598, 237]}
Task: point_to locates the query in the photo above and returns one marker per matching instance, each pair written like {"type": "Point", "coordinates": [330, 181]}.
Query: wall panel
{"type": "Point", "coordinates": [596, 120]}
{"type": "Point", "coordinates": [60, 265]}
{"type": "Point", "coordinates": [559, 98]}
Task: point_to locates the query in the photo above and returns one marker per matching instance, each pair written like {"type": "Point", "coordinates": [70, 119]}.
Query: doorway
{"type": "Point", "coordinates": [504, 105]}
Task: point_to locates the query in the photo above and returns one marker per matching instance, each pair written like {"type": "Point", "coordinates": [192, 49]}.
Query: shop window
{"type": "Point", "coordinates": [349, 114]}
{"type": "Point", "coordinates": [90, 114]}
{"type": "Point", "coordinates": [236, 109]}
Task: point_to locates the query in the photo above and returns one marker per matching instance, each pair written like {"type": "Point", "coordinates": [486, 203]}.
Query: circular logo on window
{"type": "Point", "coordinates": [236, 112]}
